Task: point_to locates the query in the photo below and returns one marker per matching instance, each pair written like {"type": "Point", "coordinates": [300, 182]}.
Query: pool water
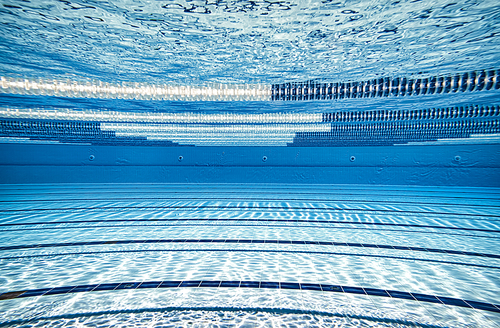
{"type": "Point", "coordinates": [249, 164]}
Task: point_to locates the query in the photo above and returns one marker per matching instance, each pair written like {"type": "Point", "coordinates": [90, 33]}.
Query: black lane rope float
{"type": "Point", "coordinates": [388, 87]}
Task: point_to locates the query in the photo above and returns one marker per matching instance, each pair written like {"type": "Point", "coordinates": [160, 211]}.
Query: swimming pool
{"type": "Point", "coordinates": [250, 164]}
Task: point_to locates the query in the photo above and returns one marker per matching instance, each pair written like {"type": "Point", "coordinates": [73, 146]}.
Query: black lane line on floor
{"type": "Point", "coordinates": [250, 188]}
{"type": "Point", "coordinates": [247, 251]}
{"type": "Point", "coordinates": [241, 225]}
{"type": "Point", "coordinates": [250, 241]}
{"type": "Point", "coordinates": [252, 220]}
{"type": "Point", "coordinates": [218, 208]}
{"type": "Point", "coordinates": [253, 284]}
{"type": "Point", "coordinates": [236, 199]}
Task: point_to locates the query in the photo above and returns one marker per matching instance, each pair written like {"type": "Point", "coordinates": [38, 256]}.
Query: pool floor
{"type": "Point", "coordinates": [249, 255]}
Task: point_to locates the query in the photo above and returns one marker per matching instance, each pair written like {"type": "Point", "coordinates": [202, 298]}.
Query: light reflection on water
{"type": "Point", "coordinates": [247, 41]}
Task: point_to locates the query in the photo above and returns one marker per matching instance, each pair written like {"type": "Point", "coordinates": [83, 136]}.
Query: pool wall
{"type": "Point", "coordinates": [437, 165]}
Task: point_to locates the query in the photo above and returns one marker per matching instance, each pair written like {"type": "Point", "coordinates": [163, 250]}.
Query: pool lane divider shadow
{"type": "Point", "coordinates": [251, 241]}
{"type": "Point", "coordinates": [255, 285]}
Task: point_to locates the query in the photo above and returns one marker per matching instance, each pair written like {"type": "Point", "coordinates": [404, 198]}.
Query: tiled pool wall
{"type": "Point", "coordinates": [269, 254]}
{"type": "Point", "coordinates": [439, 165]}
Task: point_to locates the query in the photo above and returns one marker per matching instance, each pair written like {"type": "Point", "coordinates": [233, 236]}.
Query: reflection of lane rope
{"type": "Point", "coordinates": [51, 255]}
{"type": "Point", "coordinates": [254, 285]}
{"type": "Point", "coordinates": [464, 124]}
{"type": "Point", "coordinates": [252, 241]}
{"type": "Point", "coordinates": [388, 87]}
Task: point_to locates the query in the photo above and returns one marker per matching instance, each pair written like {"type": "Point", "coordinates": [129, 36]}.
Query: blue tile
{"type": "Point", "coordinates": [296, 242]}
{"type": "Point", "coordinates": [401, 247]}
{"type": "Point", "coordinates": [453, 301]}
{"type": "Point", "coordinates": [60, 290]}
{"type": "Point", "coordinates": [353, 290]}
{"type": "Point", "coordinates": [370, 245]}
{"type": "Point", "coordinates": [402, 295]}
{"type": "Point", "coordinates": [376, 292]}
{"type": "Point", "coordinates": [271, 241]}
{"type": "Point", "coordinates": [230, 284]}
{"type": "Point", "coordinates": [269, 284]}
{"type": "Point", "coordinates": [244, 241]}
{"type": "Point", "coordinates": [205, 240]}
{"type": "Point", "coordinates": [289, 285]}
{"type": "Point", "coordinates": [483, 306]}
{"type": "Point", "coordinates": [190, 283]}
{"type": "Point", "coordinates": [258, 241]}
{"type": "Point", "coordinates": [128, 285]}
{"type": "Point", "coordinates": [418, 249]}
{"type": "Point", "coordinates": [426, 298]}
{"type": "Point", "coordinates": [250, 284]}
{"type": "Point", "coordinates": [310, 287]}
{"type": "Point", "coordinates": [210, 284]}
{"type": "Point", "coordinates": [149, 284]}
{"type": "Point", "coordinates": [83, 288]}
{"type": "Point", "coordinates": [331, 288]}
{"type": "Point", "coordinates": [169, 284]}
{"type": "Point", "coordinates": [106, 287]}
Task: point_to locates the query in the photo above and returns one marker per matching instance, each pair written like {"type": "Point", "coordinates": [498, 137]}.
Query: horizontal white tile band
{"type": "Point", "coordinates": [201, 135]}
{"type": "Point", "coordinates": [474, 139]}
{"type": "Point", "coordinates": [137, 129]}
{"type": "Point", "coordinates": [228, 141]}
{"type": "Point", "coordinates": [99, 89]}
{"type": "Point", "coordinates": [114, 116]}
